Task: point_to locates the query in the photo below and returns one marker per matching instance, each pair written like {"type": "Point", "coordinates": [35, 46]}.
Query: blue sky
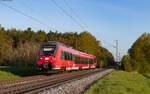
{"type": "Point", "coordinates": [107, 20]}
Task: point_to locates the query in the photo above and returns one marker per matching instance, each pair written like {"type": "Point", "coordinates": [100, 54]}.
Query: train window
{"type": "Point", "coordinates": [65, 53]}
{"type": "Point", "coordinates": [95, 60]}
{"type": "Point", "coordinates": [68, 56]}
{"type": "Point", "coordinates": [86, 61]}
{"type": "Point", "coordinates": [90, 61]}
{"type": "Point", "coordinates": [47, 50]}
{"type": "Point", "coordinates": [82, 60]}
{"type": "Point", "coordinates": [76, 59]}
{"type": "Point", "coordinates": [62, 55]}
{"type": "Point", "coordinates": [79, 60]}
{"type": "Point", "coordinates": [71, 56]}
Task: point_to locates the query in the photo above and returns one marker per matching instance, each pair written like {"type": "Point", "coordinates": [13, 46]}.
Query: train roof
{"type": "Point", "coordinates": [53, 43]}
{"type": "Point", "coordinates": [61, 44]}
{"type": "Point", "coordinates": [76, 51]}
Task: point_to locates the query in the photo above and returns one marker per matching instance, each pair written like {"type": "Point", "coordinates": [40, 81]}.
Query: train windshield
{"type": "Point", "coordinates": [48, 50]}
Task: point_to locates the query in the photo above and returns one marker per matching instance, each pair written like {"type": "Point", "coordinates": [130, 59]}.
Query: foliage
{"type": "Point", "coordinates": [5, 46]}
{"type": "Point", "coordinates": [20, 47]}
{"type": "Point", "coordinates": [121, 82]}
{"type": "Point", "coordinates": [24, 55]}
{"type": "Point", "coordinates": [126, 63]}
{"type": "Point", "coordinates": [140, 53]}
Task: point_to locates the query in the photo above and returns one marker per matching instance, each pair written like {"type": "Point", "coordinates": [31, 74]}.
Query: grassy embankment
{"type": "Point", "coordinates": [16, 72]}
{"type": "Point", "coordinates": [120, 82]}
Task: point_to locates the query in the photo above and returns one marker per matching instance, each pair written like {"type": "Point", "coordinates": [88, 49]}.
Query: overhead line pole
{"type": "Point", "coordinates": [116, 50]}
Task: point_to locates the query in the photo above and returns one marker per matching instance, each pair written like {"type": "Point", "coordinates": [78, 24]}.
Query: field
{"type": "Point", "coordinates": [7, 72]}
{"type": "Point", "coordinates": [120, 82]}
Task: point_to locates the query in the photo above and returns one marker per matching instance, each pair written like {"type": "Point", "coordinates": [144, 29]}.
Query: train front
{"type": "Point", "coordinates": [45, 56]}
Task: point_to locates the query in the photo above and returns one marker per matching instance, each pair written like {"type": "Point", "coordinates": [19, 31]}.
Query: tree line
{"type": "Point", "coordinates": [20, 47]}
{"type": "Point", "coordinates": [138, 58]}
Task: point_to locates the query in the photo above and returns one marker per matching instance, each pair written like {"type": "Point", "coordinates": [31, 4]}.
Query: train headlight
{"type": "Point", "coordinates": [46, 58]}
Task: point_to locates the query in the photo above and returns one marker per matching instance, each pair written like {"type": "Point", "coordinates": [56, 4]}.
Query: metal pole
{"type": "Point", "coordinates": [116, 50]}
{"type": "Point", "coordinates": [76, 41]}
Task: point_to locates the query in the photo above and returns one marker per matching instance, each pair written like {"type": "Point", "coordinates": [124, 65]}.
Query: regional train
{"type": "Point", "coordinates": [54, 55]}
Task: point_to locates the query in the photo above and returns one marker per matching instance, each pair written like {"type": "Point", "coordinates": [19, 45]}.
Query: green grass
{"type": "Point", "coordinates": [120, 82]}
{"type": "Point", "coordinates": [7, 72]}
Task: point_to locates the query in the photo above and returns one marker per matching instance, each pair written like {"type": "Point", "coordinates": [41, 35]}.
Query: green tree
{"type": "Point", "coordinates": [40, 36]}
{"type": "Point", "coordinates": [5, 46]}
{"type": "Point", "coordinates": [20, 47]}
{"type": "Point", "coordinates": [87, 43]}
{"type": "Point", "coordinates": [126, 63]}
{"type": "Point", "coordinates": [140, 53]}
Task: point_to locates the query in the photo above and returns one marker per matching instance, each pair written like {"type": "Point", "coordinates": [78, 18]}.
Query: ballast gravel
{"type": "Point", "coordinates": [77, 86]}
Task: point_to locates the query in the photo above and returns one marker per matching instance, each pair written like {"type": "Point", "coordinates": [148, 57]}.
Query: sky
{"type": "Point", "coordinates": [107, 20]}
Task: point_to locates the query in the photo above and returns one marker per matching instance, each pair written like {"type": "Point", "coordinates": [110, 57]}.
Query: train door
{"type": "Point", "coordinates": [73, 59]}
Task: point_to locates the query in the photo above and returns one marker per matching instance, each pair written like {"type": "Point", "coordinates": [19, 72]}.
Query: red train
{"type": "Point", "coordinates": [56, 56]}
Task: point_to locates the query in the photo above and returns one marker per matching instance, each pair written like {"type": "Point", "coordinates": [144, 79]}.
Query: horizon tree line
{"type": "Point", "coordinates": [20, 47]}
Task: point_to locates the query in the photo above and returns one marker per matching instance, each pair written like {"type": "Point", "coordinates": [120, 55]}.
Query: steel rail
{"type": "Point", "coordinates": [49, 81]}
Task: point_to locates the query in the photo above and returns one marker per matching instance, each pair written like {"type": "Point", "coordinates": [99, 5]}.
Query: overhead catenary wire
{"type": "Point", "coordinates": [72, 10]}
{"type": "Point", "coordinates": [114, 46]}
{"type": "Point", "coordinates": [27, 6]}
{"type": "Point", "coordinates": [110, 44]}
{"type": "Point", "coordinates": [65, 12]}
{"type": "Point", "coordinates": [28, 16]}
{"type": "Point", "coordinates": [32, 10]}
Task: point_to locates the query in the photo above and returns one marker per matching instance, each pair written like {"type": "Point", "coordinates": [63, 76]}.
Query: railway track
{"type": "Point", "coordinates": [39, 83]}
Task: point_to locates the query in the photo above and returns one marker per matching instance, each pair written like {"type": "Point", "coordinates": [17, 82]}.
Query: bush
{"type": "Point", "coordinates": [24, 55]}
{"type": "Point", "coordinates": [126, 63]}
